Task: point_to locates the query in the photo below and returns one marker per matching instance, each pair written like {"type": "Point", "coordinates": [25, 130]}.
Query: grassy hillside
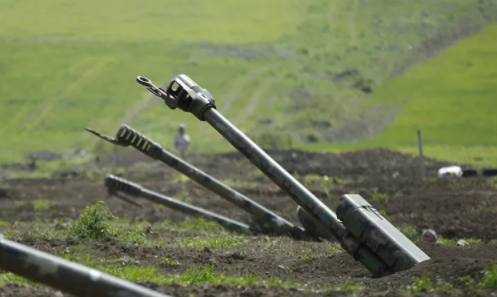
{"type": "Point", "coordinates": [451, 98]}
{"type": "Point", "coordinates": [281, 70]}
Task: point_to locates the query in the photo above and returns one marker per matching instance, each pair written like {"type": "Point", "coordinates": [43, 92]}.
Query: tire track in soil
{"type": "Point", "coordinates": [254, 100]}
{"type": "Point", "coordinates": [53, 103]}
{"type": "Point", "coordinates": [25, 109]}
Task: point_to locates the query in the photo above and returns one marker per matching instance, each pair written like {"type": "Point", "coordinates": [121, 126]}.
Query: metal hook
{"type": "Point", "coordinates": [159, 92]}
{"type": "Point", "coordinates": [144, 81]}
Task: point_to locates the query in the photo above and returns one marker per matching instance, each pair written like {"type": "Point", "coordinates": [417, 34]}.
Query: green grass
{"type": "Point", "coordinates": [425, 284]}
{"type": "Point", "coordinates": [488, 280]}
{"type": "Point", "coordinates": [409, 231]}
{"type": "Point", "coordinates": [211, 241]}
{"type": "Point", "coordinates": [195, 224]}
{"type": "Point", "coordinates": [43, 204]}
{"type": "Point", "coordinates": [240, 183]}
{"type": "Point", "coordinates": [192, 276]}
{"type": "Point", "coordinates": [485, 280]}
{"type": "Point", "coordinates": [74, 63]}
{"type": "Point", "coordinates": [384, 214]}
{"type": "Point", "coordinates": [168, 261]}
{"type": "Point", "coordinates": [96, 222]}
{"type": "Point", "coordinates": [451, 99]}
{"type": "Point", "coordinates": [470, 241]}
{"type": "Point", "coordinates": [380, 196]}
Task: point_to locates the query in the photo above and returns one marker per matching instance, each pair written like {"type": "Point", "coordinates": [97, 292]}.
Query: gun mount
{"type": "Point", "coordinates": [64, 275]}
{"type": "Point", "coordinates": [116, 184]}
{"type": "Point", "coordinates": [360, 229]}
{"type": "Point", "coordinates": [312, 226]}
{"type": "Point", "coordinates": [127, 136]}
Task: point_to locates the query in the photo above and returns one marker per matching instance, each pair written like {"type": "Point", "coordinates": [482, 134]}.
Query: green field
{"type": "Point", "coordinates": [278, 69]}
{"type": "Point", "coordinates": [451, 98]}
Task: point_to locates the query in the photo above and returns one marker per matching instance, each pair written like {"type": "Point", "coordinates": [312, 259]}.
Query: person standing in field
{"type": "Point", "coordinates": [181, 141]}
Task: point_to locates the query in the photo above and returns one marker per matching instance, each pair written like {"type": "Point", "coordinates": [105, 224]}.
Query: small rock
{"type": "Point", "coordinates": [462, 242]}
{"type": "Point", "coordinates": [58, 294]}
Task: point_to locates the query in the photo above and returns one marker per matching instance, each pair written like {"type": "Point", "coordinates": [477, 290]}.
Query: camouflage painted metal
{"type": "Point", "coordinates": [64, 275]}
{"type": "Point", "coordinates": [365, 223]}
{"type": "Point", "coordinates": [127, 136]}
{"type": "Point", "coordinates": [116, 184]}
{"type": "Point", "coordinates": [377, 249]}
{"type": "Point", "coordinates": [312, 226]}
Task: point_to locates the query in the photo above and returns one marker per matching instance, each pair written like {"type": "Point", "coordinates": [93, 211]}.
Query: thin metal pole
{"type": "Point", "coordinates": [422, 161]}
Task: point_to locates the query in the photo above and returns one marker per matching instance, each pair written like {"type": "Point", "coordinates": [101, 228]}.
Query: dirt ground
{"type": "Point", "coordinates": [455, 208]}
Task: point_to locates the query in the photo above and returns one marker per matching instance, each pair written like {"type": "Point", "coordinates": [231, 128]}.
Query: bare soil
{"type": "Point", "coordinates": [454, 208]}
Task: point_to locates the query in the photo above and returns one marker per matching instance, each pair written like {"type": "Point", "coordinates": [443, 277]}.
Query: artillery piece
{"type": "Point", "coordinates": [265, 219]}
{"type": "Point", "coordinates": [361, 230]}
{"type": "Point", "coordinates": [64, 275]}
{"type": "Point", "coordinates": [115, 184]}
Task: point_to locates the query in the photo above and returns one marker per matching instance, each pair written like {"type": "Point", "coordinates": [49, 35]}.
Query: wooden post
{"type": "Point", "coordinates": [115, 157]}
{"type": "Point", "coordinates": [422, 161]}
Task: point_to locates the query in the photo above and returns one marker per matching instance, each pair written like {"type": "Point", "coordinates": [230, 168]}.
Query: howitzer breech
{"type": "Point", "coordinates": [64, 275]}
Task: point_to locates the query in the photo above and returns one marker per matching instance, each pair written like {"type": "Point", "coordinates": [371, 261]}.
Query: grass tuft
{"type": "Point", "coordinates": [380, 196]}
{"type": "Point", "coordinates": [384, 214]}
{"type": "Point", "coordinates": [349, 285]}
{"type": "Point", "coordinates": [198, 223]}
{"type": "Point", "coordinates": [93, 223]}
{"type": "Point", "coordinates": [211, 241]}
{"type": "Point", "coordinates": [488, 280]}
{"type": "Point", "coordinates": [310, 255]}
{"type": "Point", "coordinates": [96, 222]}
{"type": "Point", "coordinates": [425, 284]}
{"type": "Point", "coordinates": [40, 205]}
{"type": "Point", "coordinates": [409, 231]}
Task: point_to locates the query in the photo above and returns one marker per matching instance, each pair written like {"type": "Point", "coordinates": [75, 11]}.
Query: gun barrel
{"type": "Point", "coordinates": [64, 275]}
{"type": "Point", "coordinates": [301, 195]}
{"type": "Point", "coordinates": [312, 225]}
{"type": "Point", "coordinates": [130, 137]}
{"type": "Point", "coordinates": [363, 233]}
{"type": "Point", "coordinates": [121, 185]}
{"type": "Point", "coordinates": [305, 199]}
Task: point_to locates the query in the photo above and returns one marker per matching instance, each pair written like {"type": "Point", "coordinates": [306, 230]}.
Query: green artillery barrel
{"type": "Point", "coordinates": [127, 136]}
{"type": "Point", "coordinates": [376, 249]}
{"type": "Point", "coordinates": [64, 275]}
{"type": "Point", "coordinates": [116, 184]}
{"type": "Point", "coordinates": [311, 225]}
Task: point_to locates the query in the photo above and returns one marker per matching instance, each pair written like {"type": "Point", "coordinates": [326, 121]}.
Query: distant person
{"type": "Point", "coordinates": [181, 141]}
